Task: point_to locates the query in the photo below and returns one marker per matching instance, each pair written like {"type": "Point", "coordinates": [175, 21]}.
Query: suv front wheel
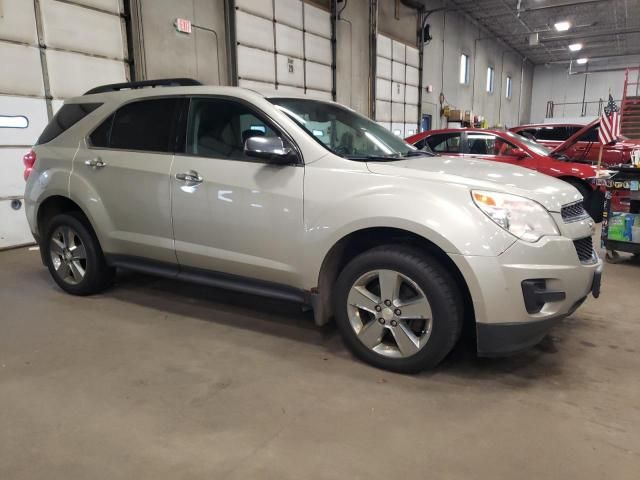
{"type": "Point", "coordinates": [398, 309]}
{"type": "Point", "coordinates": [74, 257]}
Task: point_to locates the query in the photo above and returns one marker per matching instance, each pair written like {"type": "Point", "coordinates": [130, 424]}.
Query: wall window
{"type": "Point", "coordinates": [508, 89]}
{"type": "Point", "coordinates": [490, 79]}
{"type": "Point", "coordinates": [464, 69]}
{"type": "Point", "coordinates": [14, 121]}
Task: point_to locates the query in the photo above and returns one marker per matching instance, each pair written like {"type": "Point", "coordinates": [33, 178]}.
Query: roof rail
{"type": "Point", "coordinates": [163, 82]}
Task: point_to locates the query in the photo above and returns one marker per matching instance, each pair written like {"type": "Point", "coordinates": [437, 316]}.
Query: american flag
{"type": "Point", "coordinates": [609, 130]}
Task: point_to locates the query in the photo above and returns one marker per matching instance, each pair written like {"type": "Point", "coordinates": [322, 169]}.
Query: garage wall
{"type": "Point", "coordinates": [48, 39]}
{"type": "Point", "coordinates": [454, 34]}
{"type": "Point", "coordinates": [160, 51]}
{"type": "Point", "coordinates": [555, 83]}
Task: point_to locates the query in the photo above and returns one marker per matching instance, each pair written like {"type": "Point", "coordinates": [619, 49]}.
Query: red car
{"type": "Point", "coordinates": [509, 147]}
{"type": "Point", "coordinates": [579, 142]}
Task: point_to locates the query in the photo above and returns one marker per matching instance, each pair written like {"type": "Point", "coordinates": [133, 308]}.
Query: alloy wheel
{"type": "Point", "coordinates": [68, 255]}
{"type": "Point", "coordinates": [389, 313]}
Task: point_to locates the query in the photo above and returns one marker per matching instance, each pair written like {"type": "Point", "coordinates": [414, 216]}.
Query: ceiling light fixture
{"type": "Point", "coordinates": [575, 47]}
{"type": "Point", "coordinates": [562, 26]}
{"type": "Point", "coordinates": [582, 61]}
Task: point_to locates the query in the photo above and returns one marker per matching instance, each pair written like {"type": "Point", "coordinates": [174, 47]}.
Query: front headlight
{"type": "Point", "coordinates": [524, 218]}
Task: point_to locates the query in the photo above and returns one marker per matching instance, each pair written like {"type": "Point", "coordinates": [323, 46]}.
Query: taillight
{"type": "Point", "coordinates": [29, 161]}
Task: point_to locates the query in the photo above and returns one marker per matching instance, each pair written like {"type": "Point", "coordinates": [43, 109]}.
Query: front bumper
{"type": "Point", "coordinates": [505, 323]}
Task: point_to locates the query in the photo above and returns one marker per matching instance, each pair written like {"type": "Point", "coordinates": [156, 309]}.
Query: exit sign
{"type": "Point", "coordinates": [183, 25]}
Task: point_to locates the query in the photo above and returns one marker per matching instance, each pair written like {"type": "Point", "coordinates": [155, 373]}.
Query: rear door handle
{"type": "Point", "coordinates": [95, 163]}
{"type": "Point", "coordinates": [190, 178]}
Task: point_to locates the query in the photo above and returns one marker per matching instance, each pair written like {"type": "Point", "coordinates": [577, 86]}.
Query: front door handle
{"type": "Point", "coordinates": [95, 163]}
{"type": "Point", "coordinates": [190, 178]}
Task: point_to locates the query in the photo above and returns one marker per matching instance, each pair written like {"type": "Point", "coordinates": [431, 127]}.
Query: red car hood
{"type": "Point", "coordinates": [623, 141]}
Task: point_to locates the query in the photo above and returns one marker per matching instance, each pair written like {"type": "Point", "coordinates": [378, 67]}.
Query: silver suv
{"type": "Point", "coordinates": [308, 201]}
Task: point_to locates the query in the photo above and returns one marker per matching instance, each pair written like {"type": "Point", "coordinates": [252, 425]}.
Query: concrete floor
{"type": "Point", "coordinates": [155, 379]}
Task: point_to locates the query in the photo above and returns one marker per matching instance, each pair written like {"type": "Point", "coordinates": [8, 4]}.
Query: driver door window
{"type": "Point", "coordinates": [219, 128]}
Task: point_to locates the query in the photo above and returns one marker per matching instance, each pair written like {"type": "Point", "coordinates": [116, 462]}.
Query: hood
{"type": "Point", "coordinates": [622, 141]}
{"type": "Point", "coordinates": [485, 175]}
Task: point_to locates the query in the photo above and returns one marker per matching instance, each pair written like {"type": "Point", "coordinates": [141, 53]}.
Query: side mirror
{"type": "Point", "coordinates": [269, 148]}
{"type": "Point", "coordinates": [518, 153]}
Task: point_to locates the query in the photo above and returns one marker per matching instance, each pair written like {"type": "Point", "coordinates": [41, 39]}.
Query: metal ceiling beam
{"type": "Point", "coordinates": [560, 5]}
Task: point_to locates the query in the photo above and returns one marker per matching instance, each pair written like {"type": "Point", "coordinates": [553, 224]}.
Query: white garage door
{"type": "Point", "coordinates": [284, 45]}
{"type": "Point", "coordinates": [397, 84]}
{"type": "Point", "coordinates": [84, 45]}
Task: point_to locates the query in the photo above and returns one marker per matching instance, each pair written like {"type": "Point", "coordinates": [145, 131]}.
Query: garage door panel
{"type": "Point", "coordinates": [411, 94]}
{"type": "Point", "coordinates": [88, 73]}
{"type": "Point", "coordinates": [289, 89]}
{"type": "Point", "coordinates": [256, 64]}
{"type": "Point", "coordinates": [398, 51]}
{"type": "Point", "coordinates": [410, 129]}
{"type": "Point", "coordinates": [318, 76]}
{"type": "Point", "coordinates": [289, 41]}
{"type": "Point", "coordinates": [384, 46]}
{"type": "Point", "coordinates": [12, 168]}
{"type": "Point", "coordinates": [33, 110]}
{"type": "Point", "coordinates": [319, 94]}
{"type": "Point", "coordinates": [397, 112]}
{"type": "Point", "coordinates": [289, 12]}
{"type": "Point", "coordinates": [317, 21]}
{"type": "Point", "coordinates": [18, 21]}
{"type": "Point", "coordinates": [317, 49]}
{"type": "Point", "coordinates": [383, 111]}
{"type": "Point", "coordinates": [412, 57]}
{"type": "Point", "coordinates": [397, 129]}
{"type": "Point", "coordinates": [76, 28]}
{"type": "Point", "coordinates": [257, 86]}
{"type": "Point", "coordinates": [254, 31]}
{"type": "Point", "coordinates": [290, 71]}
{"type": "Point", "coordinates": [386, 125]}
{"type": "Point", "coordinates": [397, 71]}
{"type": "Point", "coordinates": [412, 75]}
{"type": "Point", "coordinates": [383, 89]}
{"type": "Point", "coordinates": [26, 80]}
{"type": "Point", "coordinates": [113, 6]}
{"type": "Point", "coordinates": [14, 229]}
{"type": "Point", "coordinates": [383, 67]}
{"type": "Point", "coordinates": [262, 7]}
{"type": "Point", "coordinates": [411, 113]}
{"type": "Point", "coordinates": [397, 92]}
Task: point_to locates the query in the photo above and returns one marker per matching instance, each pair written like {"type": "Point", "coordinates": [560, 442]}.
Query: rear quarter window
{"type": "Point", "coordinates": [67, 117]}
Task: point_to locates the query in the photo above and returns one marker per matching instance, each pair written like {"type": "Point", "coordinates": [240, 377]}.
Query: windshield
{"type": "Point", "coordinates": [344, 132]}
{"type": "Point", "coordinates": [531, 144]}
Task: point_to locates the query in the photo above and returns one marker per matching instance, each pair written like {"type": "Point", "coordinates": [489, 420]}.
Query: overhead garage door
{"type": "Point", "coordinates": [397, 84]}
{"type": "Point", "coordinates": [50, 50]}
{"type": "Point", "coordinates": [284, 45]}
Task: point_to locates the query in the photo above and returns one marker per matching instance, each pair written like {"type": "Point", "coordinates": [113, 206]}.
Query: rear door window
{"type": "Point", "coordinates": [446, 142]}
{"type": "Point", "coordinates": [558, 134]}
{"type": "Point", "coordinates": [67, 117]}
{"type": "Point", "coordinates": [146, 125]}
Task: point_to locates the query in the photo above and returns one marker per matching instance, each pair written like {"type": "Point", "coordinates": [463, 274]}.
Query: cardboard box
{"type": "Point", "coordinates": [455, 116]}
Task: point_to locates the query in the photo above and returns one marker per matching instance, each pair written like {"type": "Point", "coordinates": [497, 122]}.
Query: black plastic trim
{"type": "Point", "coordinates": [498, 339]}
{"type": "Point", "coordinates": [536, 295]}
{"type": "Point", "coordinates": [211, 278]}
{"type": "Point", "coordinates": [163, 82]}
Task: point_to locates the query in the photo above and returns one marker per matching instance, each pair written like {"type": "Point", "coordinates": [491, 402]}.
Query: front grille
{"type": "Point", "coordinates": [573, 212]}
{"type": "Point", "coordinates": [584, 249]}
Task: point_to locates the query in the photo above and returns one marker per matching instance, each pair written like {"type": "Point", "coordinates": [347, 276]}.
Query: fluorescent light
{"type": "Point", "coordinates": [562, 26]}
{"type": "Point", "coordinates": [575, 47]}
{"type": "Point", "coordinates": [582, 61]}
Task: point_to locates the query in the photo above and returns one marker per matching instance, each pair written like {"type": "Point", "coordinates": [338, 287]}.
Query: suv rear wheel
{"type": "Point", "coordinates": [74, 257]}
{"type": "Point", "coordinates": [398, 309]}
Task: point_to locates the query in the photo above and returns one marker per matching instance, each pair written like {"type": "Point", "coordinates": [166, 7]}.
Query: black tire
{"type": "Point", "coordinates": [438, 286]}
{"type": "Point", "coordinates": [593, 200]}
{"type": "Point", "coordinates": [98, 275]}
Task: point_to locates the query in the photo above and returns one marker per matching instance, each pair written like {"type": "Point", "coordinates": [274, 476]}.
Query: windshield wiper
{"type": "Point", "coordinates": [418, 153]}
{"type": "Point", "coordinates": [373, 158]}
